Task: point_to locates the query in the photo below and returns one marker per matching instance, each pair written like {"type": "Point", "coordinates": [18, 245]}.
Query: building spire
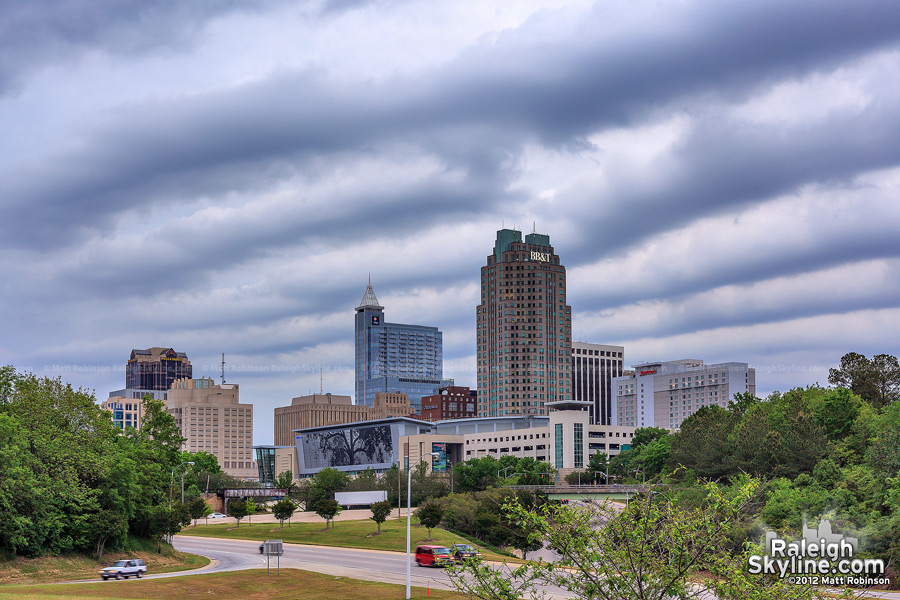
{"type": "Point", "coordinates": [369, 299]}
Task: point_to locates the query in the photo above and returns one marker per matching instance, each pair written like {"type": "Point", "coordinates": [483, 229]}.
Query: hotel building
{"type": "Point", "coordinates": [664, 394]}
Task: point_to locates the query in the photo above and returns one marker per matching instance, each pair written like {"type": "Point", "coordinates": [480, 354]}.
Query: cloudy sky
{"type": "Point", "coordinates": [721, 179]}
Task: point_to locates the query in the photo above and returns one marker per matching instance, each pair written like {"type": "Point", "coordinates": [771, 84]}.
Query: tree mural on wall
{"type": "Point", "coordinates": [351, 446]}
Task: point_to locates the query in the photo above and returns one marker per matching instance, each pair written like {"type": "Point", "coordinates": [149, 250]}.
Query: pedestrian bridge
{"type": "Point", "coordinates": [586, 492]}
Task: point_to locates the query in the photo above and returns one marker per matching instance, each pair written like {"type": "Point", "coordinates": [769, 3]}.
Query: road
{"type": "Point", "coordinates": [369, 565]}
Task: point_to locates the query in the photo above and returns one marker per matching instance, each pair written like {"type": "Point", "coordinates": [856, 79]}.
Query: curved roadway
{"type": "Point", "coordinates": [369, 565]}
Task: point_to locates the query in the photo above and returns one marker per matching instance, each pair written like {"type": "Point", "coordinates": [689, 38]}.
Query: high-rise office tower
{"type": "Point", "coordinates": [392, 357]}
{"type": "Point", "coordinates": [524, 325]}
{"type": "Point", "coordinates": [156, 369]}
{"type": "Point", "coordinates": [593, 368]}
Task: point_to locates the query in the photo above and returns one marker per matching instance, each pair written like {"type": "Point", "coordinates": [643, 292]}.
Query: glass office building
{"type": "Point", "coordinates": [156, 369]}
{"type": "Point", "coordinates": [393, 357]}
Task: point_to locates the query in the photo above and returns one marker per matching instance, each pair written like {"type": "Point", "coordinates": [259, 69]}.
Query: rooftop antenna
{"type": "Point", "coordinates": [223, 368]}
{"type": "Point", "coordinates": [321, 388]}
{"type": "Point", "coordinates": [534, 227]}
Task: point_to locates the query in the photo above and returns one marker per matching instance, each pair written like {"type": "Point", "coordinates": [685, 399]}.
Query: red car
{"type": "Point", "coordinates": [433, 556]}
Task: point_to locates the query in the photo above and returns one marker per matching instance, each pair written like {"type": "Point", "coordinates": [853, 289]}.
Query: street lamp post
{"type": "Point", "coordinates": [172, 479]}
{"type": "Point", "coordinates": [408, 519]}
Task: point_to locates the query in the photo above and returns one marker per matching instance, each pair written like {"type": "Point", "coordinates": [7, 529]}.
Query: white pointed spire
{"type": "Point", "coordinates": [369, 299]}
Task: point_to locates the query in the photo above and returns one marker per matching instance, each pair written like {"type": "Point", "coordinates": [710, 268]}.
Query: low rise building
{"type": "Point", "coordinates": [451, 402]}
{"type": "Point", "coordinates": [565, 438]}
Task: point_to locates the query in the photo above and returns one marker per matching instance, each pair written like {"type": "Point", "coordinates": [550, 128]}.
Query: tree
{"type": "Point", "coordinates": [655, 456]}
{"type": "Point", "coordinates": [646, 435]}
{"type": "Point", "coordinates": [597, 466]}
{"type": "Point", "coordinates": [158, 425]}
{"type": "Point", "coordinates": [838, 412]}
{"type": "Point", "coordinates": [365, 481]}
{"type": "Point", "coordinates": [380, 512]}
{"type": "Point", "coordinates": [285, 481]}
{"type": "Point", "coordinates": [329, 480]}
{"type": "Point", "coordinates": [877, 380]}
{"type": "Point", "coordinates": [703, 444]}
{"type": "Point", "coordinates": [430, 515]}
{"type": "Point", "coordinates": [251, 509]}
{"type": "Point", "coordinates": [105, 525]}
{"type": "Point", "coordinates": [198, 508]}
{"type": "Point", "coordinates": [649, 551]}
{"type": "Point", "coordinates": [70, 481]}
{"type": "Point", "coordinates": [238, 509]}
{"type": "Point", "coordinates": [741, 402]}
{"type": "Point", "coordinates": [328, 509]}
{"type": "Point", "coordinates": [477, 474]}
{"type": "Point", "coordinates": [166, 521]}
{"type": "Point", "coordinates": [283, 510]}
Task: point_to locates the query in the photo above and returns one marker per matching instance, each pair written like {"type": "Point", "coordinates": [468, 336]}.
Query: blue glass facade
{"type": "Point", "coordinates": [392, 357]}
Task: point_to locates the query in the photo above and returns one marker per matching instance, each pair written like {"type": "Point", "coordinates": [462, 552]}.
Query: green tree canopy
{"type": "Point", "coordinates": [284, 510]}
{"type": "Point", "coordinates": [380, 512]}
{"type": "Point", "coordinates": [238, 509]}
{"type": "Point", "coordinates": [876, 380]}
{"type": "Point", "coordinates": [650, 550]}
{"type": "Point", "coordinates": [430, 515]}
{"type": "Point", "coordinates": [328, 509]}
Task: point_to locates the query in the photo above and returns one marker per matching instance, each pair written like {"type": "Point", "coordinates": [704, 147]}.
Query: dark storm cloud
{"type": "Point", "coordinates": [605, 76]}
{"type": "Point", "coordinates": [190, 254]}
{"type": "Point", "coordinates": [687, 316]}
{"type": "Point", "coordinates": [723, 166]}
{"type": "Point", "coordinates": [37, 33]}
{"type": "Point", "coordinates": [502, 94]}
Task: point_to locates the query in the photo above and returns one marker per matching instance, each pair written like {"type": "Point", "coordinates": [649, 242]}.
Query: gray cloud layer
{"type": "Point", "coordinates": [690, 162]}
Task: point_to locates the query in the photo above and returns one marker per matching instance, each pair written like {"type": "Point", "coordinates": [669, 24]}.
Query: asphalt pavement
{"type": "Point", "coordinates": [368, 565]}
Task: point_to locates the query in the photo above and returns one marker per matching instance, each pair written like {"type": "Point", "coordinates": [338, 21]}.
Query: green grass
{"type": "Point", "coordinates": [344, 534]}
{"type": "Point", "coordinates": [67, 568]}
{"type": "Point", "coordinates": [291, 584]}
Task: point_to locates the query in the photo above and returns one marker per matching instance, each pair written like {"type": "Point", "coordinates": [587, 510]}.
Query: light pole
{"type": "Point", "coordinates": [408, 519]}
{"type": "Point", "coordinates": [172, 479]}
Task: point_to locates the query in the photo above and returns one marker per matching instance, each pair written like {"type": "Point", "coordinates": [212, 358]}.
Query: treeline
{"type": "Point", "coordinates": [72, 482]}
{"type": "Point", "coordinates": [473, 475]}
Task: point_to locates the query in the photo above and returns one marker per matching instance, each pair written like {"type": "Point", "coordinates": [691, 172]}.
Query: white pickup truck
{"type": "Point", "coordinates": [125, 568]}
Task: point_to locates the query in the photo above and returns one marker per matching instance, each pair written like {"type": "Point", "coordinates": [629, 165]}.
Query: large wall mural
{"type": "Point", "coordinates": [348, 447]}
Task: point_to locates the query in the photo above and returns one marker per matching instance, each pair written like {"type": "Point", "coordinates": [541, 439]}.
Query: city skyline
{"type": "Point", "coordinates": [720, 181]}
